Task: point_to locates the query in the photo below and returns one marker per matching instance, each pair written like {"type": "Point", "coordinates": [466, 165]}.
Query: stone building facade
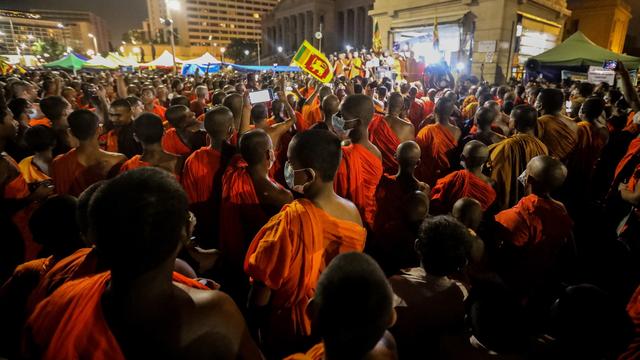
{"type": "Point", "coordinates": [344, 23]}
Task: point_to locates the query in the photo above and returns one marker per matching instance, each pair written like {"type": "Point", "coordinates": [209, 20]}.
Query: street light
{"type": "Point", "coordinates": [279, 49]}
{"type": "Point", "coordinates": [246, 52]}
{"type": "Point", "coordinates": [172, 5]}
{"type": "Point", "coordinates": [349, 48]}
{"type": "Point", "coordinates": [95, 42]}
{"type": "Point", "coordinates": [60, 26]}
{"type": "Point", "coordinates": [222, 50]}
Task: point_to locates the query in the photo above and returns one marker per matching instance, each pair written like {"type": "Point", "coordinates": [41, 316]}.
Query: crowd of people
{"type": "Point", "coordinates": [379, 216]}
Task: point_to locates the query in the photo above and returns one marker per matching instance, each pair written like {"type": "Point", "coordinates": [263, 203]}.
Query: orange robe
{"type": "Point", "coordinates": [559, 138]}
{"type": "Point", "coordinates": [71, 177]}
{"type": "Point", "coordinates": [289, 253]}
{"type": "Point", "coordinates": [172, 143]}
{"type": "Point", "coordinates": [311, 114]}
{"type": "Point", "coordinates": [315, 353]}
{"type": "Point", "coordinates": [383, 137]}
{"type": "Point", "coordinates": [633, 309]}
{"type": "Point", "coordinates": [633, 152]}
{"type": "Point", "coordinates": [44, 121]}
{"type": "Point", "coordinates": [436, 143]}
{"type": "Point", "coordinates": [357, 179]}
{"type": "Point", "coordinates": [31, 172]}
{"type": "Point", "coordinates": [457, 185]}
{"type": "Point", "coordinates": [507, 160]}
{"type": "Point", "coordinates": [202, 180]}
{"type": "Point", "coordinates": [160, 111]}
{"type": "Point", "coordinates": [136, 162]}
{"type": "Point", "coordinates": [18, 188]}
{"type": "Point", "coordinates": [83, 262]}
{"type": "Point", "coordinates": [539, 227]}
{"type": "Point", "coordinates": [70, 323]}
{"type": "Point", "coordinates": [241, 216]}
{"type": "Point", "coordinates": [109, 141]}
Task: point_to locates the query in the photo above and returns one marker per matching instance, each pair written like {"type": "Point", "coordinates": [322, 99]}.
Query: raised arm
{"type": "Point", "coordinates": [246, 114]}
{"type": "Point", "coordinates": [628, 90]}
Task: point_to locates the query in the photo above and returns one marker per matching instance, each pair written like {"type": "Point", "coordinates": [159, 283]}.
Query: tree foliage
{"type": "Point", "coordinates": [236, 51]}
{"type": "Point", "coordinates": [48, 48]}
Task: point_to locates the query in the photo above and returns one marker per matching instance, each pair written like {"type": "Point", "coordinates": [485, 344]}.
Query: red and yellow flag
{"type": "Point", "coordinates": [313, 62]}
{"type": "Point", "coordinates": [377, 38]}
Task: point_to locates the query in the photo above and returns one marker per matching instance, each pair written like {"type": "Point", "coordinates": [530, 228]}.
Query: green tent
{"type": "Point", "coordinates": [69, 62]}
{"type": "Point", "coordinates": [578, 50]}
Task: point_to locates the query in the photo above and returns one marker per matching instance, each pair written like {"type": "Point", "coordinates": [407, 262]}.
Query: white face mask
{"type": "Point", "coordinates": [523, 178]}
{"type": "Point", "coordinates": [33, 113]}
{"type": "Point", "coordinates": [290, 178]}
{"type": "Point", "coordinates": [338, 124]}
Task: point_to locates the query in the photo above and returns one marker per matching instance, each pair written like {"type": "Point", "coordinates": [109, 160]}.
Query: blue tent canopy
{"type": "Point", "coordinates": [249, 68]}
{"type": "Point", "coordinates": [190, 69]}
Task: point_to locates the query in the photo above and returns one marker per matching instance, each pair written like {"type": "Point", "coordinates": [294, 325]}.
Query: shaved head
{"type": "Point", "coordinates": [548, 172]}
{"type": "Point", "coordinates": [330, 104]}
{"type": "Point", "coordinates": [218, 121]}
{"type": "Point", "coordinates": [396, 102]}
{"type": "Point", "coordinates": [475, 154]}
{"type": "Point", "coordinates": [234, 103]}
{"type": "Point", "coordinates": [468, 211]}
{"type": "Point", "coordinates": [358, 106]}
{"type": "Point", "coordinates": [417, 206]}
{"type": "Point", "coordinates": [408, 154]}
{"type": "Point", "coordinates": [324, 92]}
{"type": "Point", "coordinates": [255, 146]}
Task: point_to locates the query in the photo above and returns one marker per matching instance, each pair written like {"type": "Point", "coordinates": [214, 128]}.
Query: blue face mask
{"type": "Point", "coordinates": [338, 124]}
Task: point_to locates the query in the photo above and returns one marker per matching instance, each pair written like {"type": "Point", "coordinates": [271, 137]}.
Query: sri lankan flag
{"type": "Point", "coordinates": [313, 62]}
{"type": "Point", "coordinates": [377, 38]}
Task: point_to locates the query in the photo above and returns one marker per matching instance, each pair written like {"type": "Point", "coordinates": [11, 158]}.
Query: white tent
{"type": "Point", "coordinates": [164, 60]}
{"type": "Point", "coordinates": [204, 60]}
{"type": "Point", "coordinates": [121, 60]}
{"type": "Point", "coordinates": [99, 62]}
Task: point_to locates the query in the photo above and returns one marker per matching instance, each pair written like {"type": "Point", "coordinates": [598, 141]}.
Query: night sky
{"type": "Point", "coordinates": [120, 15]}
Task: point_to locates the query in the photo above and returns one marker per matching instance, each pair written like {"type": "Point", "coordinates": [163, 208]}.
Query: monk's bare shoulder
{"type": "Point", "coordinates": [374, 149]}
{"type": "Point", "coordinates": [350, 211]}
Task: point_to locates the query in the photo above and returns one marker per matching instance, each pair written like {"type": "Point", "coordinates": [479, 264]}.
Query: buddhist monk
{"type": "Point", "coordinates": [432, 303]}
{"type": "Point", "coordinates": [150, 101]}
{"type": "Point", "coordinates": [361, 166]}
{"type": "Point", "coordinates": [437, 141]}
{"type": "Point", "coordinates": [592, 138]}
{"type": "Point", "coordinates": [98, 309]}
{"type": "Point", "coordinates": [501, 123]}
{"type": "Point", "coordinates": [509, 158]}
{"type": "Point", "coordinates": [395, 225]}
{"type": "Point", "coordinates": [120, 139]}
{"type": "Point", "coordinates": [311, 112]}
{"type": "Point", "coordinates": [234, 102]}
{"type": "Point", "coordinates": [54, 228]}
{"type": "Point", "coordinates": [249, 199]}
{"type": "Point", "coordinates": [469, 182]}
{"type": "Point", "coordinates": [416, 107]}
{"type": "Point", "coordinates": [56, 109]}
{"type": "Point", "coordinates": [387, 132]}
{"type": "Point", "coordinates": [555, 130]}
{"type": "Point", "coordinates": [41, 140]}
{"type": "Point", "coordinates": [288, 254]}
{"type": "Point", "coordinates": [351, 311]}
{"type": "Point", "coordinates": [17, 199]}
{"type": "Point", "coordinates": [484, 120]}
{"type": "Point", "coordinates": [329, 107]}
{"type": "Point", "coordinates": [186, 134]}
{"type": "Point", "coordinates": [202, 174]}
{"type": "Point", "coordinates": [259, 114]}
{"type": "Point", "coordinates": [537, 231]}
{"type": "Point", "coordinates": [148, 130]}
{"type": "Point", "coordinates": [82, 166]}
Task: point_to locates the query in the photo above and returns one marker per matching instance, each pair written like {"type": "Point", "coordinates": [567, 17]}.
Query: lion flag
{"type": "Point", "coordinates": [313, 62]}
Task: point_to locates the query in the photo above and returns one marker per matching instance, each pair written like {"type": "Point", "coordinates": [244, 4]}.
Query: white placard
{"type": "Point", "coordinates": [597, 75]}
{"type": "Point", "coordinates": [487, 46]}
